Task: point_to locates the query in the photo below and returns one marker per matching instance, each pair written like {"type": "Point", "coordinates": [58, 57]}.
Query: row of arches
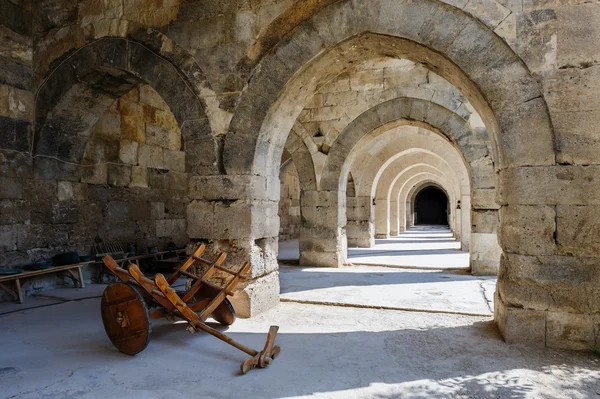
{"type": "Point", "coordinates": [232, 180]}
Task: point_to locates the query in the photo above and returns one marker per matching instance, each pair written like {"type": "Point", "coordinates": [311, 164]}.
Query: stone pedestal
{"type": "Point", "coordinates": [238, 215]}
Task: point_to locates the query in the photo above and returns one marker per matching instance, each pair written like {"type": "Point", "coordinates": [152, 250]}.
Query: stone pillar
{"type": "Point", "coordinates": [456, 225]}
{"type": "Point", "coordinates": [410, 215]}
{"type": "Point", "coordinates": [322, 233]}
{"type": "Point", "coordinates": [547, 290]}
{"type": "Point", "coordinates": [360, 227]}
{"type": "Point", "coordinates": [402, 212]}
{"type": "Point", "coordinates": [465, 222]}
{"type": "Point", "coordinates": [382, 218]}
{"type": "Point", "coordinates": [484, 246]}
{"type": "Point", "coordinates": [394, 218]}
{"type": "Point", "coordinates": [238, 214]}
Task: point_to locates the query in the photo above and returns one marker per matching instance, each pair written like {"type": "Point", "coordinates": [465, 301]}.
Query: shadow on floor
{"type": "Point", "coordinates": [470, 361]}
{"type": "Point", "coordinates": [296, 279]}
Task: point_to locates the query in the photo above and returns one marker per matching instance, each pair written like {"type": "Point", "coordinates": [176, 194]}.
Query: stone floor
{"type": "Point", "coordinates": [61, 351]}
{"type": "Point", "coordinates": [389, 288]}
{"type": "Point", "coordinates": [419, 247]}
{"type": "Point", "coordinates": [355, 332]}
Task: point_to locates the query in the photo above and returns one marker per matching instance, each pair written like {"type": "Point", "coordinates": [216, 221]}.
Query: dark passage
{"type": "Point", "coordinates": [431, 207]}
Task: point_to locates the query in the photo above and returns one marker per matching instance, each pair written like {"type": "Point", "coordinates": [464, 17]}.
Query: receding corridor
{"type": "Point", "coordinates": [423, 247]}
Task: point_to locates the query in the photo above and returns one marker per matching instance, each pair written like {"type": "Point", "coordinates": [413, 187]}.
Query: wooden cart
{"type": "Point", "coordinates": [128, 306]}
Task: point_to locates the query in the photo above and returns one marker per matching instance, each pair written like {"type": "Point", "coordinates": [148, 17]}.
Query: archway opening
{"type": "Point", "coordinates": [431, 207]}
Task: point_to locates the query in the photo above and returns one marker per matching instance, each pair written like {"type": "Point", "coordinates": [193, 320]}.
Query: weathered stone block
{"type": "Point", "coordinates": [176, 181]}
{"type": "Point", "coordinates": [97, 174]}
{"type": "Point", "coordinates": [41, 236]}
{"type": "Point", "coordinates": [132, 121]}
{"type": "Point", "coordinates": [258, 296]}
{"type": "Point", "coordinates": [573, 89]}
{"type": "Point", "coordinates": [150, 97]}
{"type": "Point", "coordinates": [65, 213]}
{"type": "Point", "coordinates": [484, 199]}
{"type": "Point", "coordinates": [10, 188]}
{"type": "Point", "coordinates": [139, 210]}
{"type": "Point", "coordinates": [8, 238]}
{"type": "Point", "coordinates": [163, 137]}
{"type": "Point", "coordinates": [14, 211]}
{"type": "Point", "coordinates": [537, 33]}
{"type": "Point", "coordinates": [109, 126]}
{"type": "Point", "coordinates": [157, 210]}
{"type": "Point", "coordinates": [174, 160]}
{"type": "Point", "coordinates": [574, 23]}
{"type": "Point", "coordinates": [527, 230]}
{"type": "Point", "coordinates": [230, 187]}
{"type": "Point", "coordinates": [572, 331]}
{"type": "Point", "coordinates": [323, 259]}
{"type": "Point", "coordinates": [484, 221]}
{"type": "Point", "coordinates": [578, 230]}
{"type": "Point", "coordinates": [117, 211]}
{"type": "Point", "coordinates": [170, 227]}
{"type": "Point", "coordinates": [119, 175]}
{"type": "Point", "coordinates": [72, 191]}
{"type": "Point", "coordinates": [551, 185]}
{"type": "Point", "coordinates": [139, 177]}
{"type": "Point", "coordinates": [200, 220]}
{"type": "Point", "coordinates": [151, 156]}
{"type": "Point", "coordinates": [520, 326]}
{"type": "Point", "coordinates": [128, 152]}
{"type": "Point", "coordinates": [485, 254]}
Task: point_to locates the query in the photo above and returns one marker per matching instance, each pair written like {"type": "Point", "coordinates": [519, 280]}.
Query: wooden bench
{"type": "Point", "coordinates": [18, 292]}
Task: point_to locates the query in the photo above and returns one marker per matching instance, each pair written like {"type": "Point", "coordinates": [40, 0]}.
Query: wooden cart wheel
{"type": "Point", "coordinates": [125, 317]}
{"type": "Point", "coordinates": [224, 313]}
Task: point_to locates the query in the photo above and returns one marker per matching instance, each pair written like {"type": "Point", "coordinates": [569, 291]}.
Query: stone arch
{"type": "Point", "coordinates": [302, 158]}
{"type": "Point", "coordinates": [410, 183]}
{"type": "Point", "coordinates": [412, 112]}
{"type": "Point", "coordinates": [453, 196]}
{"type": "Point", "coordinates": [401, 29]}
{"type": "Point", "coordinates": [395, 203]}
{"type": "Point", "coordinates": [420, 187]}
{"type": "Point", "coordinates": [82, 87]}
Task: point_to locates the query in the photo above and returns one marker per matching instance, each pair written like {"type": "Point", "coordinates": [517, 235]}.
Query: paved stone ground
{"type": "Point", "coordinates": [61, 351]}
{"type": "Point", "coordinates": [375, 286]}
{"type": "Point", "coordinates": [54, 346]}
{"type": "Point", "coordinates": [433, 248]}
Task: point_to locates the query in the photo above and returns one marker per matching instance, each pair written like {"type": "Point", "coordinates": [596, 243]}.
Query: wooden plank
{"type": "Point", "coordinates": [11, 292]}
{"type": "Point", "coordinates": [53, 269]}
{"type": "Point", "coordinates": [189, 262]}
{"type": "Point", "coordinates": [80, 272]}
{"type": "Point", "coordinates": [223, 294]}
{"type": "Point", "coordinates": [196, 286]}
{"type": "Point", "coordinates": [19, 290]}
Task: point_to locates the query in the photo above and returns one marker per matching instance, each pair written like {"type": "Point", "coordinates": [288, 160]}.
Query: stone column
{"type": "Point", "coordinates": [238, 214]}
{"type": "Point", "coordinates": [548, 282]}
{"type": "Point", "coordinates": [465, 222]}
{"type": "Point", "coordinates": [394, 219]}
{"type": "Point", "coordinates": [360, 227]}
{"type": "Point", "coordinates": [484, 247]}
{"type": "Point", "coordinates": [322, 233]}
{"type": "Point", "coordinates": [382, 218]}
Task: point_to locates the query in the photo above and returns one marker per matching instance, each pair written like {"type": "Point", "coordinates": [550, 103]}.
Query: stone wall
{"type": "Point", "coordinates": [289, 204]}
{"type": "Point", "coordinates": [133, 189]}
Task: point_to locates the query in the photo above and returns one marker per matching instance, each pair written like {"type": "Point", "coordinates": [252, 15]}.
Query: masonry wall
{"type": "Point", "coordinates": [133, 190]}
{"type": "Point", "coordinates": [289, 204]}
